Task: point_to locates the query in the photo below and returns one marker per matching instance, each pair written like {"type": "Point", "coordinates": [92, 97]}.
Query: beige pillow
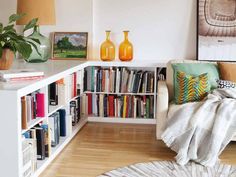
{"type": "Point", "coordinates": [227, 71]}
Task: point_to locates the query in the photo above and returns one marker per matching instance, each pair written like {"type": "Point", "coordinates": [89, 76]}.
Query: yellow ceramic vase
{"type": "Point", "coordinates": [126, 49]}
{"type": "Point", "coordinates": [107, 50]}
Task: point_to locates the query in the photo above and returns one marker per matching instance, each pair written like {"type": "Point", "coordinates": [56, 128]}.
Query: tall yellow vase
{"type": "Point", "coordinates": [107, 50]}
{"type": "Point", "coordinates": [126, 49]}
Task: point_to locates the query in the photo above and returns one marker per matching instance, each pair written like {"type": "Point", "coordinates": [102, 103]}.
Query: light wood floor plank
{"type": "Point", "coordinates": [100, 147]}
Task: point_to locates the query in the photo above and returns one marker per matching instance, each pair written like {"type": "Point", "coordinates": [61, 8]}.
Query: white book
{"type": "Point", "coordinates": [101, 106]}
{"type": "Point", "coordinates": [95, 79]}
{"type": "Point", "coordinates": [130, 80]}
{"type": "Point", "coordinates": [94, 107]}
{"type": "Point", "coordinates": [29, 108]}
{"type": "Point", "coordinates": [61, 94]}
{"type": "Point", "coordinates": [118, 108]}
{"type": "Point", "coordinates": [142, 108]}
{"type": "Point", "coordinates": [117, 80]}
{"type": "Point", "coordinates": [106, 80]}
{"type": "Point", "coordinates": [18, 73]}
{"type": "Point", "coordinates": [125, 81]}
{"type": "Point", "coordinates": [115, 102]}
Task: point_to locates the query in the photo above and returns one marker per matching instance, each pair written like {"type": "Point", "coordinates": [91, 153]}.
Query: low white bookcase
{"type": "Point", "coordinates": [11, 163]}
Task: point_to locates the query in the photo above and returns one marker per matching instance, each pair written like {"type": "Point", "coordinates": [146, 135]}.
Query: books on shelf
{"type": "Point", "coordinates": [63, 90]}
{"type": "Point", "coordinates": [126, 106]}
{"type": "Point", "coordinates": [29, 152]}
{"type": "Point", "coordinates": [54, 124]}
{"type": "Point", "coordinates": [32, 107]}
{"type": "Point", "coordinates": [118, 80]}
{"type": "Point", "coordinates": [20, 74]}
{"type": "Point", "coordinates": [75, 110]}
{"type": "Point", "coordinates": [36, 145]}
{"type": "Point", "coordinates": [62, 122]}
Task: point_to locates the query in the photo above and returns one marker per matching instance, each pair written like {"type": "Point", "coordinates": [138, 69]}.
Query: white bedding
{"type": "Point", "coordinates": [199, 131]}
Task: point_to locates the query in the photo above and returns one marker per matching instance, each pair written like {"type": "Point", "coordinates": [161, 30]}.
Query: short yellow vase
{"type": "Point", "coordinates": [107, 49]}
{"type": "Point", "coordinates": [126, 49]}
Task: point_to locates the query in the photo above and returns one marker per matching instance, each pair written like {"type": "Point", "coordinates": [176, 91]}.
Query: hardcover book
{"type": "Point", "coordinates": [19, 73]}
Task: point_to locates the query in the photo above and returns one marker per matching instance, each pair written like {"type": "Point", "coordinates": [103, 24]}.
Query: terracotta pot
{"type": "Point", "coordinates": [7, 59]}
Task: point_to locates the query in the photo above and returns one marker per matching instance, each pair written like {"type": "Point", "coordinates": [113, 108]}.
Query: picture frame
{"type": "Point", "coordinates": [70, 45]}
{"type": "Point", "coordinates": [216, 30]}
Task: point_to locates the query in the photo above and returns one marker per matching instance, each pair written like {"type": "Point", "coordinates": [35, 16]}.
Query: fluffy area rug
{"type": "Point", "coordinates": [171, 169]}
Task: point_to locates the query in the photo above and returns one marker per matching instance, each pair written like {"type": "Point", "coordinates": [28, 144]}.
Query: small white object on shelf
{"type": "Point", "coordinates": [20, 74]}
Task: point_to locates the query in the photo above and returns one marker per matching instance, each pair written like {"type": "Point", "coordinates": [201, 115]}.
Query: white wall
{"type": "Point", "coordinates": [159, 29]}
{"type": "Point", "coordinates": [71, 15]}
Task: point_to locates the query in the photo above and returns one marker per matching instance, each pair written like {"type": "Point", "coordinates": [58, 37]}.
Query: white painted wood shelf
{"type": "Point", "coordinates": [123, 120]}
{"type": "Point", "coordinates": [11, 162]}
{"type": "Point", "coordinates": [110, 93]}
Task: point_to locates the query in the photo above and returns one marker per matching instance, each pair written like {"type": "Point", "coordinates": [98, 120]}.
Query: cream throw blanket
{"type": "Point", "coordinates": [200, 131]}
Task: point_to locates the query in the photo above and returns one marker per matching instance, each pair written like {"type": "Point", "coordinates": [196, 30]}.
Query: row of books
{"type": "Point", "coordinates": [36, 145]}
{"type": "Point", "coordinates": [32, 107]}
{"type": "Point", "coordinates": [118, 80]}
{"type": "Point", "coordinates": [37, 141]}
{"type": "Point", "coordinates": [75, 110]}
{"type": "Point", "coordinates": [65, 89]}
{"type": "Point", "coordinates": [127, 106]}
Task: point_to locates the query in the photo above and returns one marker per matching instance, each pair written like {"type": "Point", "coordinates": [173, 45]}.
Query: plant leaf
{"type": "Point", "coordinates": [1, 27]}
{"type": "Point", "coordinates": [15, 17]}
{"type": "Point", "coordinates": [35, 47]}
{"type": "Point", "coordinates": [35, 40]}
{"type": "Point", "coordinates": [24, 49]}
{"type": "Point", "coordinates": [8, 28]}
{"type": "Point", "coordinates": [31, 24]}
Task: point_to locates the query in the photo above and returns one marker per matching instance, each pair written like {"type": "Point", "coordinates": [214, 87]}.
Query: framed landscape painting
{"type": "Point", "coordinates": [70, 45]}
{"type": "Point", "coordinates": [217, 30]}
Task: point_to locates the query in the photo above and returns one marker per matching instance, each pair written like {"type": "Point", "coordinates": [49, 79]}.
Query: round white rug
{"type": "Point", "coordinates": [171, 169]}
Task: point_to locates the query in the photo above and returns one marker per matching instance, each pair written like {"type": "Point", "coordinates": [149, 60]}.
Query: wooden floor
{"type": "Point", "coordinates": [99, 147]}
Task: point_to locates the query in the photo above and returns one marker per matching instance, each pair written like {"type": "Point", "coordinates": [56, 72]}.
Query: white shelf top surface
{"type": "Point", "coordinates": [57, 69]}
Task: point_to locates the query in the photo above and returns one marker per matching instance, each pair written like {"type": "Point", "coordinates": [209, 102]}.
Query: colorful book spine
{"type": "Point", "coordinates": [40, 104]}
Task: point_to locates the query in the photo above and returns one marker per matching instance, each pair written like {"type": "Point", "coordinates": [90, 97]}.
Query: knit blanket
{"type": "Point", "coordinates": [199, 131]}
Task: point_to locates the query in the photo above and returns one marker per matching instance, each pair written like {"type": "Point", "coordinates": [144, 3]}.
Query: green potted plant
{"type": "Point", "coordinates": [11, 42]}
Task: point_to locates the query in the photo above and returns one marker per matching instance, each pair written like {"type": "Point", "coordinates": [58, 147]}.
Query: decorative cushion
{"type": "Point", "coordinates": [225, 84]}
{"type": "Point", "coordinates": [190, 88]}
{"type": "Point", "coordinates": [197, 69]}
{"type": "Point", "coordinates": [227, 71]}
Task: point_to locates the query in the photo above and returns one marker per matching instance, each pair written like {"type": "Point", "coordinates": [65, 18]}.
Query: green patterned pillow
{"type": "Point", "coordinates": [190, 88]}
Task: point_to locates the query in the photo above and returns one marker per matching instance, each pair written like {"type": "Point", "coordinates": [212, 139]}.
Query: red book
{"type": "Point", "coordinates": [111, 105]}
{"type": "Point", "coordinates": [40, 105]}
{"type": "Point", "coordinates": [90, 102]}
{"type": "Point", "coordinates": [75, 85]}
{"type": "Point", "coordinates": [127, 106]}
{"type": "Point", "coordinates": [132, 106]}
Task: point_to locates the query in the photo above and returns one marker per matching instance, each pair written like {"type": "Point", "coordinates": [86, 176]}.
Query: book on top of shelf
{"type": "Point", "coordinates": [20, 73]}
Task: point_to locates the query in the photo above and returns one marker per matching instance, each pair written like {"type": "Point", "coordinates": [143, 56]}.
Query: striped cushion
{"type": "Point", "coordinates": [190, 88]}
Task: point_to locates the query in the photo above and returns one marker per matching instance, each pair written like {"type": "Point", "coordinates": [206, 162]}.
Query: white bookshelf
{"type": "Point", "coordinates": [10, 107]}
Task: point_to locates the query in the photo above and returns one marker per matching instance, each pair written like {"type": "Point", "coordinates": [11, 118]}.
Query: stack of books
{"type": "Point", "coordinates": [20, 75]}
{"type": "Point", "coordinates": [32, 107]}
{"type": "Point", "coordinates": [58, 126]}
{"type": "Point", "coordinates": [63, 90]}
{"type": "Point", "coordinates": [37, 141]}
{"type": "Point", "coordinates": [36, 145]}
{"type": "Point", "coordinates": [126, 106]}
{"type": "Point", "coordinates": [118, 80]}
{"type": "Point", "coordinates": [75, 111]}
